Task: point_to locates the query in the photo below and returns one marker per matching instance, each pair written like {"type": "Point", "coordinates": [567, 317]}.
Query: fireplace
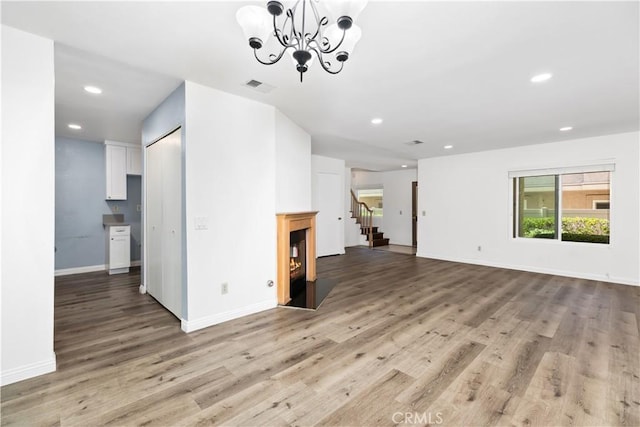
{"type": "Point", "coordinates": [296, 253]}
{"type": "Point", "coordinates": [297, 257]}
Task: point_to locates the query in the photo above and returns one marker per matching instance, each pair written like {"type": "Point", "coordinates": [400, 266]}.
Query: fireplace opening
{"type": "Point", "coordinates": [297, 261]}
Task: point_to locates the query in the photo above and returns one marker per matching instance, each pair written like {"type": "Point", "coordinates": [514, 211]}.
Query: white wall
{"type": "Point", "coordinates": [293, 166]}
{"type": "Point", "coordinates": [351, 228]}
{"type": "Point", "coordinates": [396, 210]}
{"type": "Point", "coordinates": [467, 200]}
{"type": "Point", "coordinates": [321, 164]}
{"type": "Point", "coordinates": [230, 179]}
{"type": "Point", "coordinates": [28, 154]}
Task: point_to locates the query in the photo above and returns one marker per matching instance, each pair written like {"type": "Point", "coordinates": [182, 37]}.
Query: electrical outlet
{"type": "Point", "coordinates": [225, 288]}
{"type": "Point", "coordinates": [116, 208]}
{"type": "Point", "coordinates": [139, 208]}
{"type": "Point", "coordinates": [479, 248]}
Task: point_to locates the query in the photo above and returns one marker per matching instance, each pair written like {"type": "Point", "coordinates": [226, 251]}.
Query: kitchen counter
{"type": "Point", "coordinates": [113, 220]}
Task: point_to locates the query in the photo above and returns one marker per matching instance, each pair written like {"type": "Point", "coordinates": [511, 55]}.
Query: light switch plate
{"type": "Point", "coordinates": [201, 223]}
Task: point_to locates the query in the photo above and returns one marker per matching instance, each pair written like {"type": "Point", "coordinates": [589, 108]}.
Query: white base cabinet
{"type": "Point", "coordinates": [118, 249]}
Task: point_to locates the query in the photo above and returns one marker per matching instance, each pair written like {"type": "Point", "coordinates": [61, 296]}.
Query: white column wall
{"type": "Point", "coordinates": [27, 225]}
{"type": "Point", "coordinates": [230, 182]}
{"type": "Point", "coordinates": [293, 166]}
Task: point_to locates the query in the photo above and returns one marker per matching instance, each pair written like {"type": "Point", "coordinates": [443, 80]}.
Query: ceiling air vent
{"type": "Point", "coordinates": [253, 83]}
{"type": "Point", "coordinates": [259, 86]}
{"type": "Point", "coordinates": [414, 142]}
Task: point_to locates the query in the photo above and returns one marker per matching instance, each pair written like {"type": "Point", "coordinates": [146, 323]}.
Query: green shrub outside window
{"type": "Point", "coordinates": [592, 230]}
{"type": "Point", "coordinates": [576, 205]}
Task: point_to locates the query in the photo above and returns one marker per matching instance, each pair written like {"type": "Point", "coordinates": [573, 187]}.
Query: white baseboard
{"type": "Point", "coordinates": [78, 270]}
{"type": "Point", "coordinates": [88, 269]}
{"type": "Point", "coordinates": [20, 373]}
{"type": "Point", "coordinates": [194, 325]}
{"type": "Point", "coordinates": [409, 245]}
{"type": "Point", "coordinates": [563, 273]}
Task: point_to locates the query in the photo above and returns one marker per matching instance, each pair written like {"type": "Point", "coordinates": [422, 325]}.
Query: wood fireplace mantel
{"type": "Point", "coordinates": [288, 222]}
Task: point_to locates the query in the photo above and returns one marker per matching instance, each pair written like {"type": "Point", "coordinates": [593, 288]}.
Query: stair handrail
{"type": "Point", "coordinates": [363, 215]}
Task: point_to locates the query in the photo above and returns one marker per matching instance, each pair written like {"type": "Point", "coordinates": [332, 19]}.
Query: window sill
{"type": "Point", "coordinates": [560, 242]}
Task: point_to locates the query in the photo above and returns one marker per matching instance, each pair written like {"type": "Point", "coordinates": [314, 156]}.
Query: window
{"type": "Point", "coordinates": [373, 197]}
{"type": "Point", "coordinates": [570, 207]}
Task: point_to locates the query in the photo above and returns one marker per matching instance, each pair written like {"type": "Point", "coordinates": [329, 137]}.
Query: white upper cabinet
{"type": "Point", "coordinates": [116, 168]}
{"type": "Point", "coordinates": [134, 161]}
{"type": "Point", "coordinates": [121, 159]}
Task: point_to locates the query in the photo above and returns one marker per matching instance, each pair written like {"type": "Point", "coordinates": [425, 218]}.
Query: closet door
{"type": "Point", "coordinates": [164, 221]}
{"type": "Point", "coordinates": [329, 225]}
{"type": "Point", "coordinates": [153, 225]}
{"type": "Point", "coordinates": [172, 223]}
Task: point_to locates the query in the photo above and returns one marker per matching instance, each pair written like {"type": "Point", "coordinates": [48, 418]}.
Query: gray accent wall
{"type": "Point", "coordinates": [80, 203]}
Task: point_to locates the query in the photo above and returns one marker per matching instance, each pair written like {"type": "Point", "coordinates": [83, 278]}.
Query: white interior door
{"type": "Point", "coordinates": [329, 224]}
{"type": "Point", "coordinates": [153, 222]}
{"type": "Point", "coordinates": [172, 223]}
{"type": "Point", "coordinates": [164, 221]}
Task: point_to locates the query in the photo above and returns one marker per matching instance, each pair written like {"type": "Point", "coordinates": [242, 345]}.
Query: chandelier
{"type": "Point", "coordinates": [304, 32]}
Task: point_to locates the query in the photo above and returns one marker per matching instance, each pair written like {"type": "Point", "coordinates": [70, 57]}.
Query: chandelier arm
{"type": "Point", "coordinates": [294, 33]}
{"type": "Point", "coordinates": [320, 21]}
{"type": "Point", "coordinates": [331, 49]}
{"type": "Point", "coordinates": [270, 62]}
{"type": "Point", "coordinates": [277, 31]}
{"type": "Point", "coordinates": [323, 64]}
{"type": "Point", "coordinates": [282, 38]}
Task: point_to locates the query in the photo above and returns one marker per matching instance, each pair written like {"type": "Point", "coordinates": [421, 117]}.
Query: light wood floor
{"type": "Point", "coordinates": [400, 339]}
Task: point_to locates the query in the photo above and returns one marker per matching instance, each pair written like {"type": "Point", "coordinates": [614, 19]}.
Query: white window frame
{"type": "Point", "coordinates": [557, 171]}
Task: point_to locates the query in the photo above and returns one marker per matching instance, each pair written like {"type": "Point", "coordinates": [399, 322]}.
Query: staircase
{"type": "Point", "coordinates": [364, 217]}
{"type": "Point", "coordinates": [374, 238]}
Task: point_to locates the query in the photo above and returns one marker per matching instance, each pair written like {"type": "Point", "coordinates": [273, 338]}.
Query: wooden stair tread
{"type": "Point", "coordinates": [376, 236]}
{"type": "Point", "coordinates": [380, 242]}
{"type": "Point", "coordinates": [365, 230]}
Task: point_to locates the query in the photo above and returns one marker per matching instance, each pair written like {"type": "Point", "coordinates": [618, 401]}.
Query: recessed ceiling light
{"type": "Point", "coordinates": [541, 77]}
{"type": "Point", "coordinates": [93, 89]}
{"type": "Point", "coordinates": [448, 147]}
{"type": "Point", "coordinates": [74, 126]}
{"type": "Point", "coordinates": [376, 121]}
{"type": "Point", "coordinates": [403, 166]}
{"type": "Point", "coordinates": [566, 129]}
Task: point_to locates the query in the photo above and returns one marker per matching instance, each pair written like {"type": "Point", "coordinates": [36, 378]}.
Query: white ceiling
{"type": "Point", "coordinates": [443, 72]}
